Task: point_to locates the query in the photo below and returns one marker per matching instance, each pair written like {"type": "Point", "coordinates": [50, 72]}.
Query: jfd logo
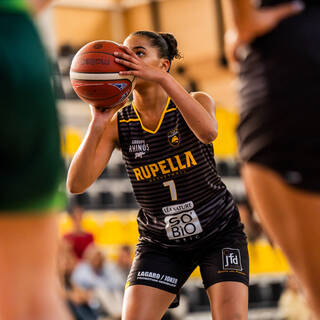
{"type": "Point", "coordinates": [231, 259]}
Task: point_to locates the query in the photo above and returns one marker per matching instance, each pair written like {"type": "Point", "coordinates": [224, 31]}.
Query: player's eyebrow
{"type": "Point", "coordinates": [139, 47]}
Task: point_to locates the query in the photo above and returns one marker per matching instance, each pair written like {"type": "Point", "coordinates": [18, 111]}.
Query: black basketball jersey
{"type": "Point", "coordinates": [174, 178]}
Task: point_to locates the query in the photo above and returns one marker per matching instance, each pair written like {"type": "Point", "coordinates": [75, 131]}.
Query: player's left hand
{"type": "Point", "coordinates": [138, 67]}
{"type": "Point", "coordinates": [257, 22]}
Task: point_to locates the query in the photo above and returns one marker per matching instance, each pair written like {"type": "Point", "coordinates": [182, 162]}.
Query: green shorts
{"type": "Point", "coordinates": [31, 168]}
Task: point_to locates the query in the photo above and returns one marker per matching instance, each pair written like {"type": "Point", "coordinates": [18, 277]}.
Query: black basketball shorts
{"type": "Point", "coordinates": [279, 86]}
{"type": "Point", "coordinates": [169, 269]}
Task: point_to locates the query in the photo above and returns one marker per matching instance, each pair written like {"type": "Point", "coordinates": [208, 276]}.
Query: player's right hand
{"type": "Point", "coordinates": [101, 116]}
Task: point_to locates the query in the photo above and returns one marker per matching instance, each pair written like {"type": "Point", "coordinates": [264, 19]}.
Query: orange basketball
{"type": "Point", "coordinates": [95, 75]}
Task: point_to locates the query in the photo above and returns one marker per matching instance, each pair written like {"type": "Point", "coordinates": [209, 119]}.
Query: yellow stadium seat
{"type": "Point", "coordinates": [112, 230]}
{"type": "Point", "coordinates": [196, 273]}
{"type": "Point", "coordinates": [266, 259]}
{"type": "Point", "coordinates": [65, 224]}
{"type": "Point", "coordinates": [71, 142]}
{"type": "Point", "coordinates": [131, 229]}
{"type": "Point", "coordinates": [226, 144]}
{"type": "Point", "coordinates": [91, 223]}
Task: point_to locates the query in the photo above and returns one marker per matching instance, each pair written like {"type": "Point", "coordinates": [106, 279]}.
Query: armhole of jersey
{"type": "Point", "coordinates": [119, 133]}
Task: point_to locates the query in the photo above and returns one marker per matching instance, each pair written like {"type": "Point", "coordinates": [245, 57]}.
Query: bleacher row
{"type": "Point", "coordinates": [113, 191]}
{"type": "Point", "coordinates": [268, 267]}
{"type": "Point", "coordinates": [114, 228]}
{"type": "Point", "coordinates": [224, 168]}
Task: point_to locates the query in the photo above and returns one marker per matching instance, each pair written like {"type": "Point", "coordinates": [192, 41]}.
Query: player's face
{"type": "Point", "coordinates": [141, 46]}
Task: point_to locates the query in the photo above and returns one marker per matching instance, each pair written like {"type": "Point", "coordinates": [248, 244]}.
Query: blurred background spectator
{"type": "Point", "coordinates": [78, 238]}
{"type": "Point", "coordinates": [102, 278]}
{"type": "Point", "coordinates": [123, 264]}
{"type": "Point", "coordinates": [77, 299]}
{"type": "Point", "coordinates": [252, 227]}
{"type": "Point", "coordinates": [292, 304]}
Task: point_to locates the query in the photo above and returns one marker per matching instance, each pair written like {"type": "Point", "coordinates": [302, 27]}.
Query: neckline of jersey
{"type": "Point", "coordinates": [160, 121]}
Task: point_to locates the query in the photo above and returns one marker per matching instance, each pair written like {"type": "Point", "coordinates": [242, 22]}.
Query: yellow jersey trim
{"type": "Point", "coordinates": [160, 121]}
{"type": "Point", "coordinates": [129, 120]}
{"type": "Point", "coordinates": [172, 109]}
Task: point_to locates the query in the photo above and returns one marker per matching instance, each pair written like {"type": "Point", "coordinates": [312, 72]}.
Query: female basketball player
{"type": "Point", "coordinates": [279, 126]}
{"type": "Point", "coordinates": [187, 217]}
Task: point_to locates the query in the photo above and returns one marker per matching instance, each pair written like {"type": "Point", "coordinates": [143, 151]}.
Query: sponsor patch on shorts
{"type": "Point", "coordinates": [157, 277]}
{"type": "Point", "coordinates": [231, 259]}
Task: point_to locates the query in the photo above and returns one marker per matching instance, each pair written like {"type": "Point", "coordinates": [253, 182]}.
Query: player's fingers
{"type": "Point", "coordinates": [128, 50]}
{"type": "Point", "coordinates": [130, 73]}
{"type": "Point", "coordinates": [283, 11]}
{"type": "Point", "coordinates": [126, 63]}
{"type": "Point", "coordinates": [124, 56]}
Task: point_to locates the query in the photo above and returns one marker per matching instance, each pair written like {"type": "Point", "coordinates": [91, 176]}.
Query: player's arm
{"type": "Point", "coordinates": [94, 151]}
{"type": "Point", "coordinates": [247, 22]}
{"type": "Point", "coordinates": [198, 109]}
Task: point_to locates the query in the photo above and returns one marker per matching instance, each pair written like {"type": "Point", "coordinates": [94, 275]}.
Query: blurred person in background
{"type": "Point", "coordinates": [123, 264]}
{"type": "Point", "coordinates": [76, 298]}
{"type": "Point", "coordinates": [252, 227]}
{"type": "Point", "coordinates": [292, 303]}
{"type": "Point", "coordinates": [99, 276]}
{"type": "Point", "coordinates": [31, 171]}
{"type": "Point", "coordinates": [277, 50]}
{"type": "Point", "coordinates": [187, 216]}
{"type": "Point", "coordinates": [78, 238]}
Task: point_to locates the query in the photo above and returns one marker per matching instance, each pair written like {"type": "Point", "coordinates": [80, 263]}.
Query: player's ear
{"type": "Point", "coordinates": [165, 64]}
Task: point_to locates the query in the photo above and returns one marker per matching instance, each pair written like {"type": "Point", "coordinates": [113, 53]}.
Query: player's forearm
{"type": "Point", "coordinates": [199, 120]}
{"type": "Point", "coordinates": [241, 16]}
{"type": "Point", "coordinates": [251, 22]}
{"type": "Point", "coordinates": [83, 169]}
{"type": "Point", "coordinates": [241, 10]}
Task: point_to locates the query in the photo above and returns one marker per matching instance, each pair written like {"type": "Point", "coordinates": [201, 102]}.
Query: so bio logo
{"type": "Point", "coordinates": [181, 223]}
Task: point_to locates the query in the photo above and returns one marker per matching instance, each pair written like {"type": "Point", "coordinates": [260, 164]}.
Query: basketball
{"type": "Point", "coordinates": [95, 75]}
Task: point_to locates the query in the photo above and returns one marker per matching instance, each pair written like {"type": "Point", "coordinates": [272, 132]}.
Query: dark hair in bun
{"type": "Point", "coordinates": [165, 42]}
{"type": "Point", "coordinates": [172, 45]}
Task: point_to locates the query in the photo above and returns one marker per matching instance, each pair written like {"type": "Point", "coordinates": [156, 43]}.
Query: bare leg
{"type": "Point", "coordinates": [28, 271]}
{"type": "Point", "coordinates": [292, 218]}
{"type": "Point", "coordinates": [145, 303]}
{"type": "Point", "coordinates": [228, 300]}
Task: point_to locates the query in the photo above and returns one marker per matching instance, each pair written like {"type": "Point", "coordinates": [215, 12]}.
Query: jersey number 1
{"type": "Point", "coordinates": [172, 187]}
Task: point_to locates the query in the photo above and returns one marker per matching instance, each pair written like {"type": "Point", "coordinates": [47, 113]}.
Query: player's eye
{"type": "Point", "coordinates": [139, 53]}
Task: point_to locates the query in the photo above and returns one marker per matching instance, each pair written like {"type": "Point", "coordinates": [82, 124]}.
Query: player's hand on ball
{"type": "Point", "coordinates": [101, 116]}
{"type": "Point", "coordinates": [95, 77]}
{"type": "Point", "coordinates": [138, 67]}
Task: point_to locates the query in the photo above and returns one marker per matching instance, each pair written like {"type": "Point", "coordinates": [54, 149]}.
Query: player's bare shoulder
{"type": "Point", "coordinates": [203, 97]}
{"type": "Point", "coordinates": [206, 101]}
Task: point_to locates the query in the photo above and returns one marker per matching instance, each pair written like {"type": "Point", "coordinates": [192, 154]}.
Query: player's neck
{"type": "Point", "coordinates": [150, 99]}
